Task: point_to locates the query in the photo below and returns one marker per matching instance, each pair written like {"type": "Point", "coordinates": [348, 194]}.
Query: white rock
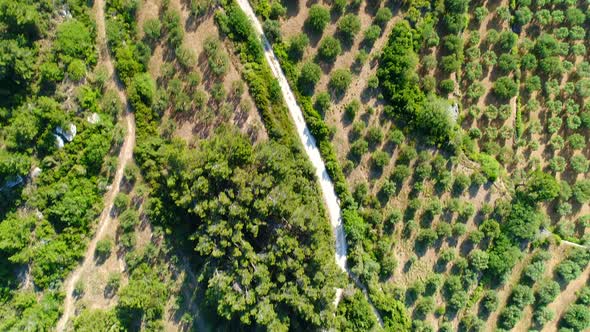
{"type": "Point", "coordinates": [93, 118]}
{"type": "Point", "coordinates": [35, 172]}
{"type": "Point", "coordinates": [454, 111]}
{"type": "Point", "coordinates": [59, 141]}
{"type": "Point", "coordinates": [68, 134]}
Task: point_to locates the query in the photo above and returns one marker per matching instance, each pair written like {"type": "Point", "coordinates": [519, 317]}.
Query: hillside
{"type": "Point", "coordinates": [271, 165]}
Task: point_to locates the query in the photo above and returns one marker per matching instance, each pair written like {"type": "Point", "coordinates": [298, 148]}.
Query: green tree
{"type": "Point", "coordinates": [152, 28]}
{"type": "Point", "coordinates": [581, 191]}
{"type": "Point", "coordinates": [309, 76]}
{"type": "Point", "coordinates": [505, 87]}
{"type": "Point", "coordinates": [355, 313]}
{"type": "Point", "coordinates": [329, 49]}
{"type": "Point", "coordinates": [349, 26]}
{"type": "Point", "coordinates": [340, 79]}
{"type": "Point", "coordinates": [318, 18]}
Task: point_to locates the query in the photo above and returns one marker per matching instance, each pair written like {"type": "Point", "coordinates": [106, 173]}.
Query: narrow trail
{"type": "Point", "coordinates": [312, 152]}
{"type": "Point", "coordinates": [125, 154]}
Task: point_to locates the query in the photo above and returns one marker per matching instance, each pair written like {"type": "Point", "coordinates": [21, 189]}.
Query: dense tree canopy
{"type": "Point", "coordinates": [251, 208]}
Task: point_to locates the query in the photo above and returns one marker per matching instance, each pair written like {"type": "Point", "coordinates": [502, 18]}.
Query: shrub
{"type": "Point", "coordinates": [322, 103]}
{"type": "Point", "coordinates": [309, 76]}
{"type": "Point", "coordinates": [374, 136]}
{"type": "Point", "coordinates": [103, 249]}
{"type": "Point", "coordinates": [272, 30]}
{"type": "Point", "coordinates": [121, 202]}
{"type": "Point", "coordinates": [358, 148]}
{"type": "Point", "coordinates": [577, 317]}
{"type": "Point", "coordinates": [113, 282]}
{"type": "Point", "coordinates": [349, 26]}
{"type": "Point", "coordinates": [297, 45]}
{"type": "Point", "coordinates": [521, 296]}
{"type": "Point", "coordinates": [340, 79]}
{"type": "Point", "coordinates": [427, 237]}
{"type": "Point", "coordinates": [152, 28]}
{"type": "Point", "coordinates": [351, 109]}
{"type": "Point", "coordinates": [329, 49]}
{"type": "Point", "coordinates": [447, 86]}
{"type": "Point", "coordinates": [186, 57]}
{"type": "Point", "coordinates": [509, 317]}
{"type": "Point", "coordinates": [216, 58]}
{"type": "Point", "coordinates": [581, 191]}
{"type": "Point", "coordinates": [318, 18]}
{"type": "Point", "coordinates": [128, 220]}
{"type": "Point", "coordinates": [372, 33]}
{"type": "Point", "coordinates": [76, 70]}
{"type": "Point", "coordinates": [542, 316]}
{"type": "Point", "coordinates": [505, 87]}
{"type": "Point", "coordinates": [380, 159]}
{"type": "Point", "coordinates": [490, 301]}
{"type": "Point", "coordinates": [396, 136]}
{"type": "Point", "coordinates": [383, 16]}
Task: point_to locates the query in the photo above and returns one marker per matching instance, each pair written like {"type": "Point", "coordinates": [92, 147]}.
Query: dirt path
{"type": "Point", "coordinates": [312, 152]}
{"type": "Point", "coordinates": [125, 154]}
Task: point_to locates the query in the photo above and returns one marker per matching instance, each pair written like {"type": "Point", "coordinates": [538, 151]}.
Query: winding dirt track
{"type": "Point", "coordinates": [125, 154]}
{"type": "Point", "coordinates": [312, 151]}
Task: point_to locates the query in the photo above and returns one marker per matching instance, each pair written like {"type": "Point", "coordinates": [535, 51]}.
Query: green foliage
{"type": "Point", "coordinates": [340, 79]}
{"type": "Point", "coordinates": [505, 87]}
{"type": "Point", "coordinates": [355, 313]}
{"type": "Point", "coordinates": [152, 28]}
{"type": "Point", "coordinates": [577, 317]}
{"type": "Point", "coordinates": [274, 206]}
{"type": "Point", "coordinates": [329, 49]}
{"type": "Point", "coordinates": [581, 191]}
{"type": "Point", "coordinates": [309, 76]}
{"type": "Point", "coordinates": [103, 249]}
{"type": "Point", "coordinates": [395, 73]}
{"type": "Point", "coordinates": [96, 320]}
{"type": "Point", "coordinates": [547, 291]}
{"type": "Point", "coordinates": [142, 299]}
{"type": "Point", "coordinates": [541, 187]}
{"type": "Point", "coordinates": [349, 26]}
{"type": "Point", "coordinates": [74, 41]}
{"type": "Point", "coordinates": [318, 18]}
{"type": "Point", "coordinates": [297, 45]}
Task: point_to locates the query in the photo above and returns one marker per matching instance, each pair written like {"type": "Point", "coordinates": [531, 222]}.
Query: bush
{"type": "Point", "coordinates": [577, 317]}
{"type": "Point", "coordinates": [309, 76]}
{"type": "Point", "coordinates": [383, 16]}
{"type": "Point", "coordinates": [371, 34]}
{"type": "Point", "coordinates": [128, 220]}
{"type": "Point", "coordinates": [323, 103]}
{"type": "Point", "coordinates": [329, 49]}
{"type": "Point", "coordinates": [352, 109]}
{"type": "Point", "coordinates": [76, 70]}
{"type": "Point", "coordinates": [121, 202]}
{"type": "Point", "coordinates": [297, 45]}
{"type": "Point", "coordinates": [547, 292]}
{"type": "Point", "coordinates": [505, 87]}
{"type": "Point", "coordinates": [340, 79]}
{"type": "Point", "coordinates": [186, 57]}
{"type": "Point", "coordinates": [103, 249]}
{"type": "Point", "coordinates": [509, 317]}
{"type": "Point", "coordinates": [521, 296]}
{"type": "Point", "coordinates": [490, 301]}
{"type": "Point", "coordinates": [447, 86]}
{"type": "Point", "coordinates": [349, 26]}
{"type": "Point", "coordinates": [318, 18]}
{"type": "Point", "coordinates": [152, 29]}
{"type": "Point", "coordinates": [581, 191]}
{"type": "Point", "coordinates": [542, 316]}
{"type": "Point", "coordinates": [142, 90]}
{"type": "Point", "coordinates": [272, 30]}
{"type": "Point", "coordinates": [380, 159]}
